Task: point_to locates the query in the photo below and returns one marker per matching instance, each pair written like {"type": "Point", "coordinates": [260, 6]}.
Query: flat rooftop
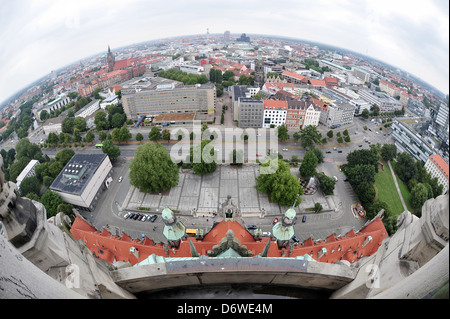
{"type": "Point", "coordinates": [77, 173]}
{"type": "Point", "coordinates": [174, 117]}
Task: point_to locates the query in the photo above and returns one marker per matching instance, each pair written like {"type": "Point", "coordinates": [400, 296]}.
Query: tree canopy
{"type": "Point", "coordinates": [152, 170]}
{"type": "Point", "coordinates": [282, 187]}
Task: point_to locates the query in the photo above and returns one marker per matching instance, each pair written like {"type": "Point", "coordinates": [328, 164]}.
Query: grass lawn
{"type": "Point", "coordinates": [384, 182]}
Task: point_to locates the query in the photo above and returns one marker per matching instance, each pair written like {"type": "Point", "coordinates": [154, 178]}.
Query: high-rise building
{"type": "Point", "coordinates": [110, 60]}
{"type": "Point", "coordinates": [226, 37]}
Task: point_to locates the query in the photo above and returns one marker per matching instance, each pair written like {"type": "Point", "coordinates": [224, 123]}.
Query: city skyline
{"type": "Point", "coordinates": [42, 36]}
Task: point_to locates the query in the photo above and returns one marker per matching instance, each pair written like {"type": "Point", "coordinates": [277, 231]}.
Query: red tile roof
{"type": "Point", "coordinates": [350, 247]}
{"type": "Point", "coordinates": [295, 75]}
{"type": "Point", "coordinates": [440, 163]}
{"type": "Point", "coordinates": [275, 104]}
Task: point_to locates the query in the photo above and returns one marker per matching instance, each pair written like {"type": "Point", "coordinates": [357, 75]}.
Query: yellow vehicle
{"type": "Point", "coordinates": [191, 232]}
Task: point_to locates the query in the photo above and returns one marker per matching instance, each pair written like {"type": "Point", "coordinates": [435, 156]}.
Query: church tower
{"type": "Point", "coordinates": [110, 60]}
{"type": "Point", "coordinates": [259, 69]}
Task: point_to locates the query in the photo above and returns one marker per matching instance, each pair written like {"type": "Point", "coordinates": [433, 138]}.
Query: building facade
{"type": "Point", "coordinates": [410, 142]}
{"type": "Point", "coordinates": [437, 167]}
{"type": "Point", "coordinates": [88, 109]}
{"type": "Point", "coordinates": [251, 112]}
{"type": "Point", "coordinates": [167, 98]}
{"type": "Point", "coordinates": [274, 113]}
{"type": "Point", "coordinates": [385, 102]}
{"type": "Point", "coordinates": [337, 114]}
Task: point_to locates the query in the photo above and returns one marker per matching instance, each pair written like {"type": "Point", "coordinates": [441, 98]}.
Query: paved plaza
{"type": "Point", "coordinates": [204, 193]}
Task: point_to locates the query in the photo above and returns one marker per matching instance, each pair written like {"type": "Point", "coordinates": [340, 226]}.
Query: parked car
{"type": "Point", "coordinates": [275, 220]}
{"type": "Point", "coordinates": [285, 149]}
{"type": "Point", "coordinates": [153, 218]}
{"type": "Point", "coordinates": [335, 178]}
{"type": "Point", "coordinates": [120, 179]}
{"type": "Point", "coordinates": [295, 238]}
{"type": "Point", "coordinates": [128, 214]}
{"type": "Point", "coordinates": [304, 219]}
{"type": "Point", "coordinates": [266, 234]}
{"type": "Point", "coordinates": [251, 227]}
{"type": "Point", "coordinates": [258, 154]}
{"type": "Point", "coordinates": [328, 152]}
{"type": "Point", "coordinates": [360, 145]}
{"type": "Point", "coordinates": [339, 151]}
{"type": "Point", "coordinates": [136, 216]}
{"type": "Point", "coordinates": [345, 179]}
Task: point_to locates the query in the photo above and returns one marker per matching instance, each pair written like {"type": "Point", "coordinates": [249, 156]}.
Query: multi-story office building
{"type": "Point", "coordinates": [167, 98]}
{"type": "Point", "coordinates": [437, 167]}
{"type": "Point", "coordinates": [408, 141]}
{"type": "Point", "coordinates": [238, 91]}
{"type": "Point", "coordinates": [442, 120]}
{"type": "Point", "coordinates": [274, 113]}
{"type": "Point", "coordinates": [251, 112]}
{"type": "Point", "coordinates": [385, 102]}
{"type": "Point", "coordinates": [337, 114]}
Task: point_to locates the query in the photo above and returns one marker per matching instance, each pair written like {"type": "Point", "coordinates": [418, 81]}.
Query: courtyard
{"type": "Point", "coordinates": [205, 193]}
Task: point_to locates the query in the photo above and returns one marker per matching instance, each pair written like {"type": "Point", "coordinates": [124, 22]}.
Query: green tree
{"type": "Point", "coordinates": [319, 154]}
{"type": "Point", "coordinates": [111, 150]}
{"type": "Point", "coordinates": [101, 122]}
{"type": "Point", "coordinates": [102, 136]}
{"type": "Point", "coordinates": [330, 134]}
{"type": "Point", "coordinates": [30, 185]}
{"type": "Point", "coordinates": [33, 196]}
{"type": "Point", "coordinates": [309, 136]}
{"type": "Point", "coordinates": [282, 132]}
{"type": "Point", "coordinates": [165, 135]}
{"type": "Point", "coordinates": [64, 156]}
{"type": "Point", "coordinates": [366, 193]}
{"type": "Point", "coordinates": [152, 170]}
{"type": "Point", "coordinates": [388, 152]}
{"type": "Point", "coordinates": [326, 183]}
{"type": "Point", "coordinates": [44, 115]}
{"type": "Point", "coordinates": [405, 167]}
{"type": "Point", "coordinates": [154, 134]}
{"type": "Point", "coordinates": [51, 201]}
{"type": "Point", "coordinates": [124, 134]}
{"type": "Point", "coordinates": [139, 137]}
{"type": "Point", "coordinates": [118, 119]}
{"type": "Point", "coordinates": [48, 180]}
{"type": "Point", "coordinates": [67, 125]}
{"type": "Point", "coordinates": [309, 164]}
{"type": "Point", "coordinates": [79, 123]}
{"type": "Point", "coordinates": [237, 157]}
{"type": "Point", "coordinates": [317, 207]}
{"type": "Point", "coordinates": [90, 136]}
{"type": "Point", "coordinates": [419, 194]}
{"type": "Point", "coordinates": [365, 114]}
{"type": "Point", "coordinates": [205, 165]}
{"type": "Point", "coordinates": [282, 187]}
{"type": "Point", "coordinates": [52, 138]}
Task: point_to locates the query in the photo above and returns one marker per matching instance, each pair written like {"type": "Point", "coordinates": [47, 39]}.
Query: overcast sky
{"type": "Point", "coordinates": [43, 35]}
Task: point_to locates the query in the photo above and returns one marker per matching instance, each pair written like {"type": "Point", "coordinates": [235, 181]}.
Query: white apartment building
{"type": "Point", "coordinates": [312, 116]}
{"type": "Point", "coordinates": [28, 171]}
{"type": "Point", "coordinates": [274, 113]}
{"type": "Point", "coordinates": [437, 167]}
{"type": "Point", "coordinates": [89, 109]}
